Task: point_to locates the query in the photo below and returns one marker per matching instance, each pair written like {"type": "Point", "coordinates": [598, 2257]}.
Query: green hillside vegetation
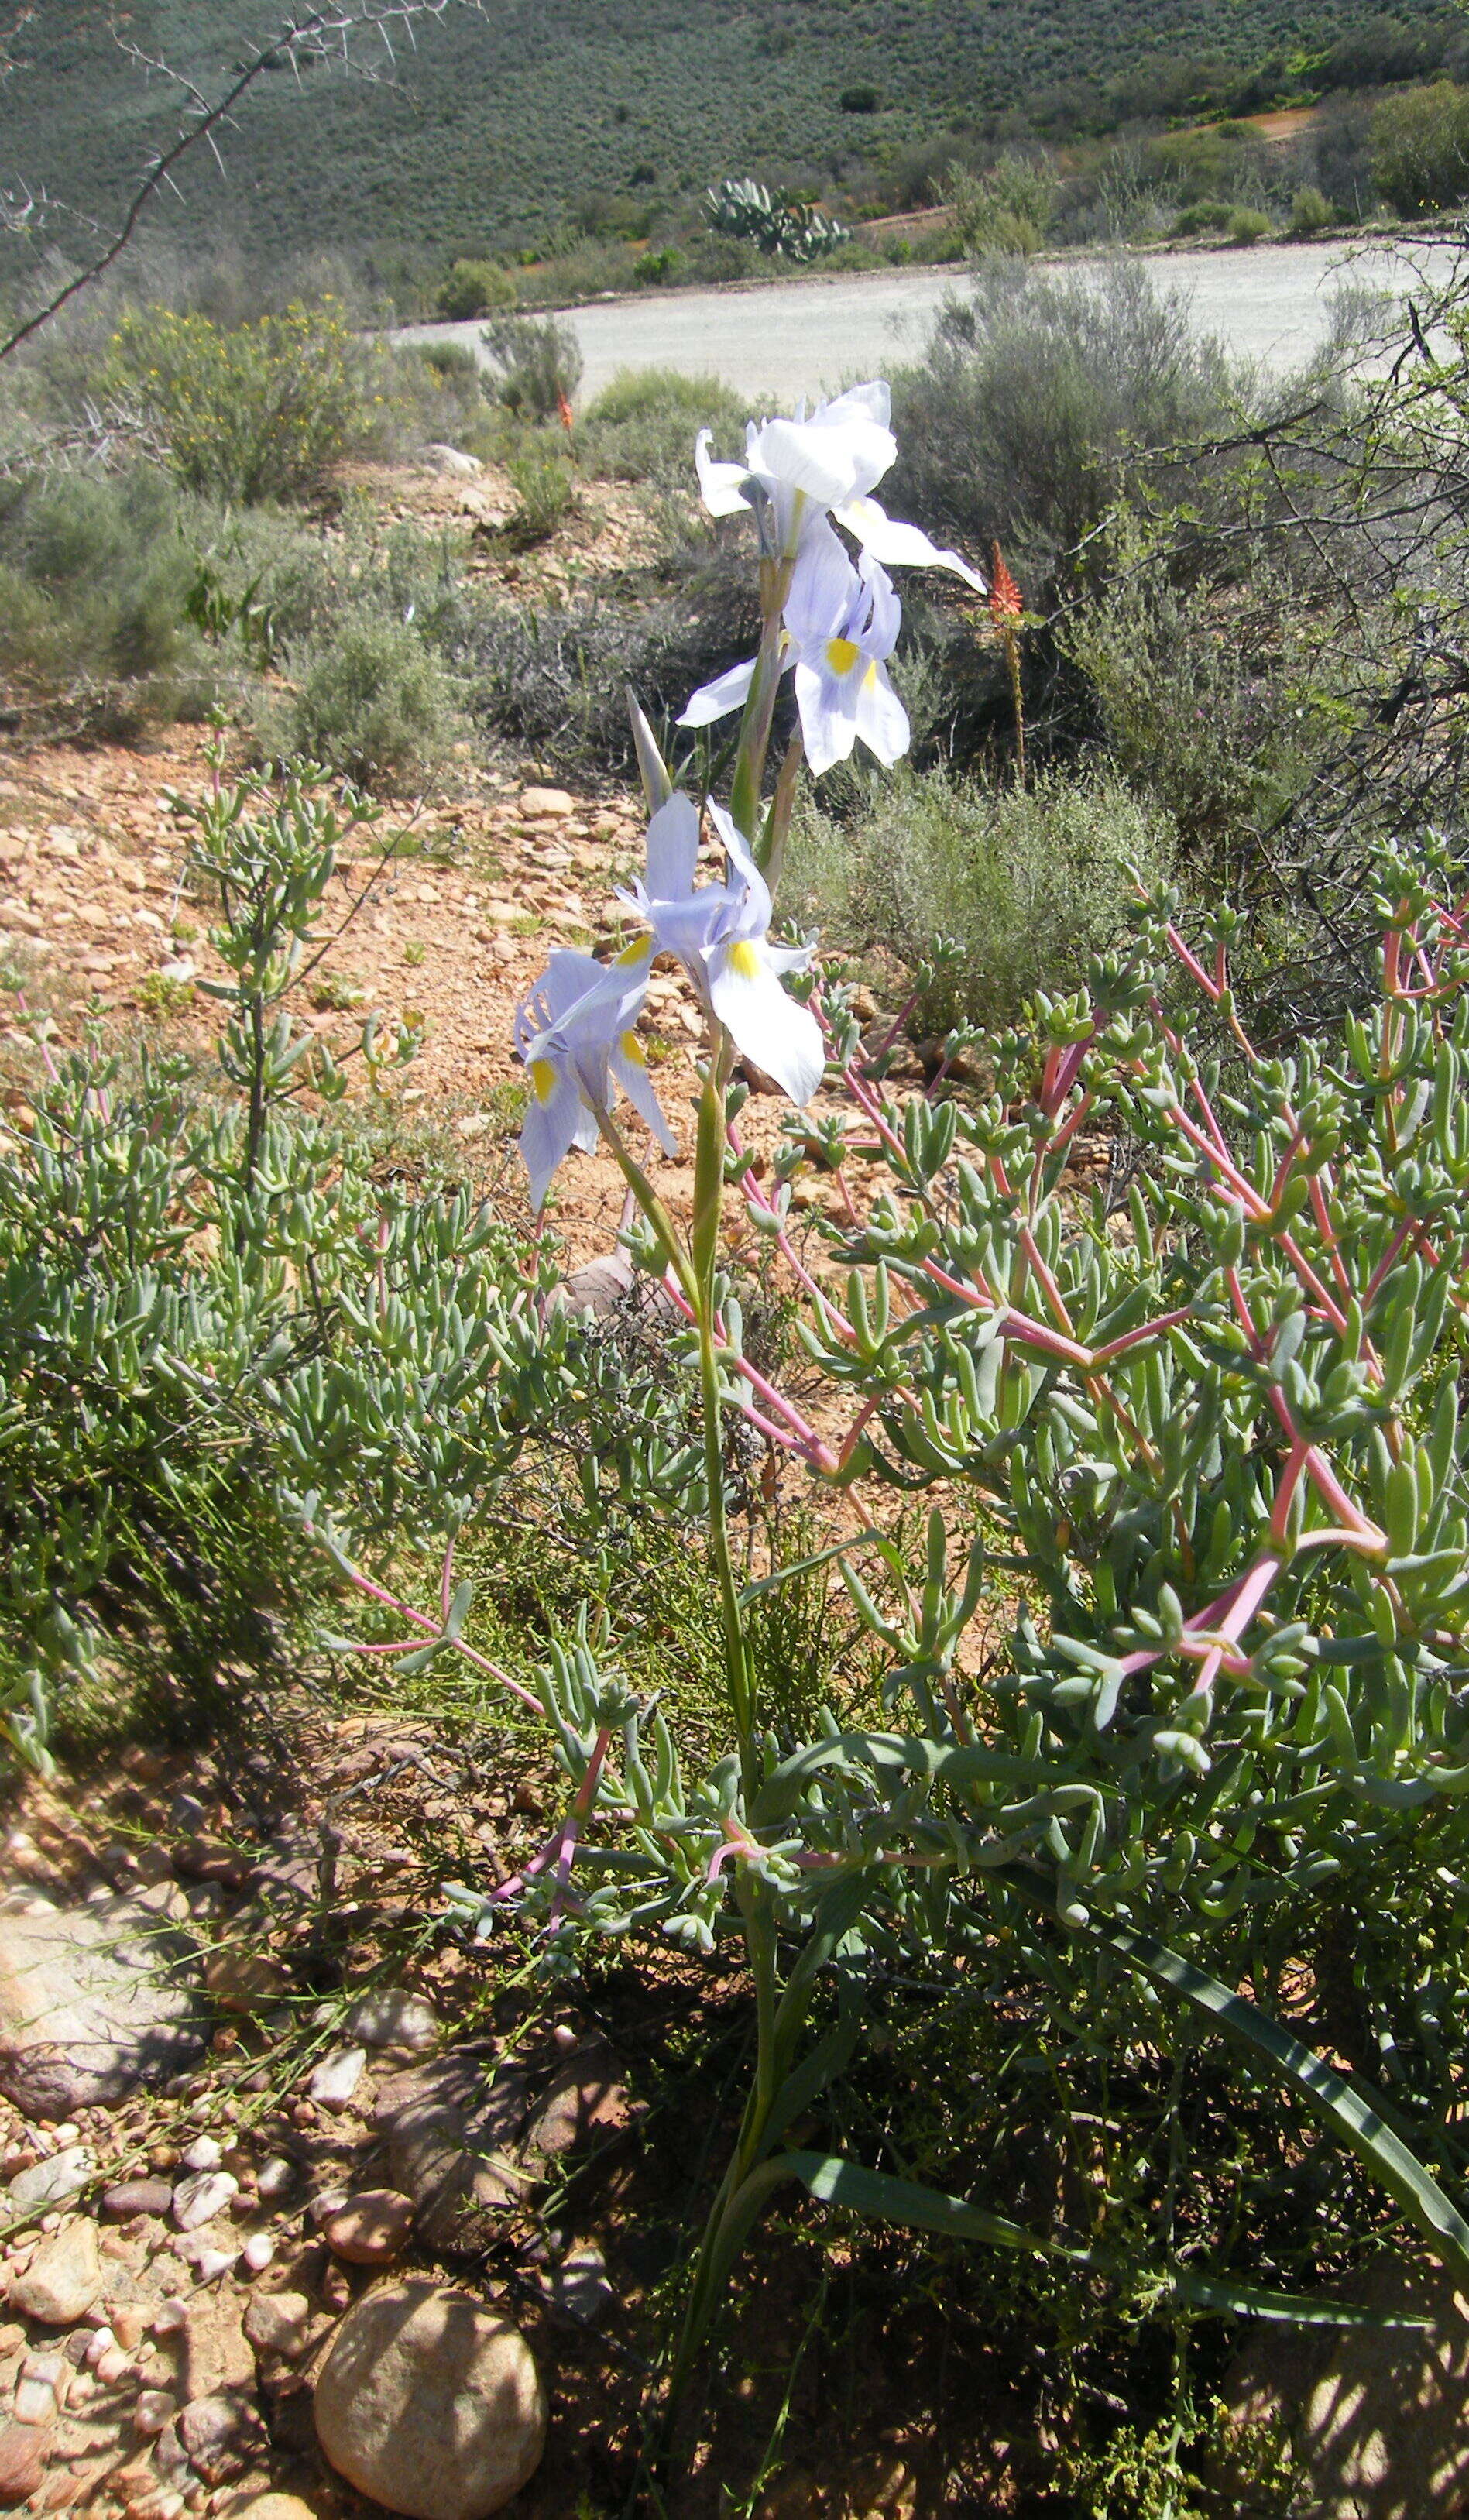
{"type": "Point", "coordinates": [523, 125]}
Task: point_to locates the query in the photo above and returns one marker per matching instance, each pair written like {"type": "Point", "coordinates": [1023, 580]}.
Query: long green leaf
{"type": "Point", "coordinates": [1320, 2086]}
{"type": "Point", "coordinates": [819, 2066]}
{"type": "Point", "coordinates": [879, 2197]}
{"type": "Point", "coordinates": [803, 1566]}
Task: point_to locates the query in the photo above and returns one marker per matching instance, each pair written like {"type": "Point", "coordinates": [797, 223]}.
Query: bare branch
{"type": "Point", "coordinates": [310, 33]}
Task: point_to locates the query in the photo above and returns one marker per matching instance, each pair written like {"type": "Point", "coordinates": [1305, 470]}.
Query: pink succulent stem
{"type": "Point", "coordinates": [416, 1619]}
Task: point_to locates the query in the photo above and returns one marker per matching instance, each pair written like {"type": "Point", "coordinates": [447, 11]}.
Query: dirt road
{"type": "Point", "coordinates": [798, 337]}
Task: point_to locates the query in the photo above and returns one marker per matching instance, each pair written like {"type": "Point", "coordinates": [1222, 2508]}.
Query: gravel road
{"type": "Point", "coordinates": [788, 337]}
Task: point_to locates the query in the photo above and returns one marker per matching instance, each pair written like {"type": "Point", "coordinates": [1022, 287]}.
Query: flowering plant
{"type": "Point", "coordinates": [1182, 1662]}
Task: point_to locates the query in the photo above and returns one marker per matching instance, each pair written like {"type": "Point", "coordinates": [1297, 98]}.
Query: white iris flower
{"type": "Point", "coordinates": [828, 464]}
{"type": "Point", "coordinates": [717, 931]}
{"type": "Point", "coordinates": [574, 1032]}
{"type": "Point", "coordinates": [842, 626]}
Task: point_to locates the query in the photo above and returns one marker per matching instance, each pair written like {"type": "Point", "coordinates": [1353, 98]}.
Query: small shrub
{"type": "Point", "coordinates": [661, 264]}
{"type": "Point", "coordinates": [545, 488]}
{"type": "Point", "coordinates": [861, 98]}
{"type": "Point", "coordinates": [1038, 394]}
{"type": "Point", "coordinates": [1419, 148]}
{"type": "Point", "coordinates": [641, 427]}
{"type": "Point", "coordinates": [540, 363]}
{"type": "Point", "coordinates": [262, 411]}
{"type": "Point", "coordinates": [1309, 211]}
{"type": "Point", "coordinates": [1247, 226]}
{"type": "Point", "coordinates": [1027, 883]}
{"type": "Point", "coordinates": [474, 288]}
{"type": "Point", "coordinates": [369, 701]}
{"type": "Point", "coordinates": [1202, 218]}
{"type": "Point", "coordinates": [717, 260]}
{"type": "Point", "coordinates": [1006, 211]}
{"type": "Point", "coordinates": [95, 578]}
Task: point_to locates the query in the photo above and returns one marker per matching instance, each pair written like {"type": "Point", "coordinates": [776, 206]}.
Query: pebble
{"type": "Point", "coordinates": [276, 2176]}
{"type": "Point", "coordinates": [136, 2196]}
{"type": "Point", "coordinates": [52, 2180]}
{"type": "Point", "coordinates": [22, 2462]}
{"type": "Point", "coordinates": [62, 2279]}
{"type": "Point", "coordinates": [198, 2199]}
{"type": "Point", "coordinates": [223, 2436]}
{"type": "Point", "coordinates": [371, 2228]}
{"type": "Point", "coordinates": [206, 2152]}
{"type": "Point", "coordinates": [335, 2080]}
{"type": "Point", "coordinates": [170, 2315]}
{"type": "Point", "coordinates": [258, 2251]}
{"type": "Point", "coordinates": [546, 804]}
{"type": "Point", "coordinates": [40, 2389]}
{"type": "Point", "coordinates": [154, 2408]}
{"type": "Point", "coordinates": [209, 2264]}
{"type": "Point", "coordinates": [278, 2323]}
{"type": "Point", "coordinates": [101, 2341]}
{"type": "Point", "coordinates": [390, 2017]}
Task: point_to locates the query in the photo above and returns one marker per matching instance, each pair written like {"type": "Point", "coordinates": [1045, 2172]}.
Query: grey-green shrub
{"type": "Point", "coordinates": [641, 427]}
{"type": "Point", "coordinates": [1309, 211]}
{"type": "Point", "coordinates": [1007, 210]}
{"type": "Point", "coordinates": [1026, 882]}
{"type": "Point", "coordinates": [1202, 721]}
{"type": "Point", "coordinates": [475, 288]}
{"type": "Point", "coordinates": [540, 363]}
{"type": "Point", "coordinates": [1037, 401]}
{"type": "Point", "coordinates": [368, 698]}
{"type": "Point", "coordinates": [95, 571]}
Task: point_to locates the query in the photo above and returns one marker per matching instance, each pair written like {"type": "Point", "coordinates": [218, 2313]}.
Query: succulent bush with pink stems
{"type": "Point", "coordinates": [1182, 1666]}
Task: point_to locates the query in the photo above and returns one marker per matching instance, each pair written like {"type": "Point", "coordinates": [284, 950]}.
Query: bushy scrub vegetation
{"type": "Point", "coordinates": [1023, 885]}
{"type": "Point", "coordinates": [539, 364]}
{"type": "Point", "coordinates": [260, 412]}
{"type": "Point", "coordinates": [1005, 1614]}
{"type": "Point", "coordinates": [1043, 401]}
{"type": "Point", "coordinates": [96, 576]}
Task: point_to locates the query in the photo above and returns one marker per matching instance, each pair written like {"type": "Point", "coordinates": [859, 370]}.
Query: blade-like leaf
{"type": "Point", "coordinates": [1319, 2085]}
{"type": "Point", "coordinates": [881, 2199]}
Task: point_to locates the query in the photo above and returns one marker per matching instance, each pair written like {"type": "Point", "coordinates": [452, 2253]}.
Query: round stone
{"type": "Point", "coordinates": [62, 2279]}
{"type": "Point", "coordinates": [371, 2228]}
{"type": "Point", "coordinates": [429, 2406]}
{"type": "Point", "coordinates": [136, 2196]}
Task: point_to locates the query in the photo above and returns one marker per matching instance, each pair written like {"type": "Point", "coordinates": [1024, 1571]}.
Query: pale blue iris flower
{"type": "Point", "coordinates": [718, 932]}
{"type": "Point", "coordinates": [840, 627]}
{"type": "Point", "coordinates": [576, 1032]}
{"type": "Point", "coordinates": [803, 470]}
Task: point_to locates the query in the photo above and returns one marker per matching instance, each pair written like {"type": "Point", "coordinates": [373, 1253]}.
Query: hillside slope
{"type": "Point", "coordinates": [501, 119]}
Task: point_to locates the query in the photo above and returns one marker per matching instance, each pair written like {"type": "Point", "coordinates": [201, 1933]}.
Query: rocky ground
{"type": "Point", "coordinates": [442, 920]}
{"type": "Point", "coordinates": [262, 2252]}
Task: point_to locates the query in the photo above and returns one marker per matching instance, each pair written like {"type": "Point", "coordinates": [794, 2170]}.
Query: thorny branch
{"type": "Point", "coordinates": [324, 33]}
